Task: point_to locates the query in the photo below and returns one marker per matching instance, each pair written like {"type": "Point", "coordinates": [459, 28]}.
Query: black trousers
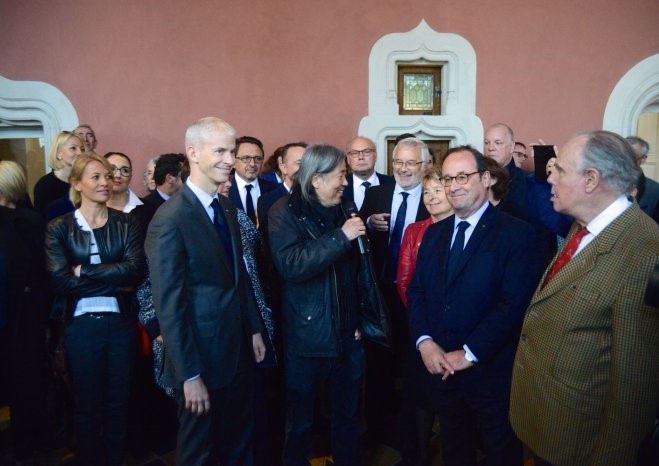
{"type": "Point", "coordinates": [462, 416]}
{"type": "Point", "coordinates": [100, 354]}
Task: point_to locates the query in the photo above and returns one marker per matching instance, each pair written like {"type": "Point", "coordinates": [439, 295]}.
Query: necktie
{"type": "Point", "coordinates": [456, 250]}
{"type": "Point", "coordinates": [567, 254]}
{"type": "Point", "coordinates": [396, 237]}
{"type": "Point", "coordinates": [366, 185]}
{"type": "Point", "coordinates": [249, 204]}
{"type": "Point", "coordinates": [222, 231]}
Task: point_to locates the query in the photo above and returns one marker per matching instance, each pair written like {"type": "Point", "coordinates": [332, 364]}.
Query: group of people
{"type": "Point", "coordinates": [460, 288]}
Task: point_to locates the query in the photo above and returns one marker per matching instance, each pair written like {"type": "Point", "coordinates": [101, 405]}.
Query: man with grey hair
{"type": "Point", "coordinates": [315, 254]}
{"type": "Point", "coordinates": [87, 134]}
{"type": "Point", "coordinates": [208, 317]}
{"type": "Point", "coordinates": [647, 190]}
{"type": "Point", "coordinates": [362, 156]}
{"type": "Point", "coordinates": [388, 210]}
{"type": "Point", "coordinates": [585, 386]}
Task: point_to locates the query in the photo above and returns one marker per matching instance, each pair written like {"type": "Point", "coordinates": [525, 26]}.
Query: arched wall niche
{"type": "Point", "coordinates": [458, 122]}
{"type": "Point", "coordinates": [34, 109]}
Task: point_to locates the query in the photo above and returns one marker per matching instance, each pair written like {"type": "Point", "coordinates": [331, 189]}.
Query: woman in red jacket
{"type": "Point", "coordinates": [434, 198]}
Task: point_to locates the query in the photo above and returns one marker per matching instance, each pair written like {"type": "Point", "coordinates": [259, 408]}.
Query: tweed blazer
{"type": "Point", "coordinates": [585, 386]}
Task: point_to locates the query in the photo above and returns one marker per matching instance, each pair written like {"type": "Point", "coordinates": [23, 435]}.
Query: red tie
{"type": "Point", "coordinates": [567, 254]}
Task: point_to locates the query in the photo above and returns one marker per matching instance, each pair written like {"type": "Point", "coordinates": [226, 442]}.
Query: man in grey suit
{"type": "Point", "coordinates": [208, 318]}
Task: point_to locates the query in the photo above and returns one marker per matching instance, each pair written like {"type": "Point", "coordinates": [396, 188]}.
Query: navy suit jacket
{"type": "Point", "coordinates": [147, 210]}
{"type": "Point", "coordinates": [234, 195]}
{"type": "Point", "coordinates": [264, 203]}
{"type": "Point", "coordinates": [349, 192]}
{"type": "Point", "coordinates": [378, 201]}
{"type": "Point", "coordinates": [484, 305]}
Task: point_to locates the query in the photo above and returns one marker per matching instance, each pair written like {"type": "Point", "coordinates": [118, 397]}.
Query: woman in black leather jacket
{"type": "Point", "coordinates": [95, 260]}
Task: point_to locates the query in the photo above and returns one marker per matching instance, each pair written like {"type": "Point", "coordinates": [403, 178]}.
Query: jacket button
{"type": "Point", "coordinates": [308, 317]}
{"type": "Point", "coordinates": [523, 337]}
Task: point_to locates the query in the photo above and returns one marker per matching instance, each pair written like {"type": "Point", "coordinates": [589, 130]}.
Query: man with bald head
{"type": "Point", "coordinates": [87, 134]}
{"type": "Point", "coordinates": [585, 386]}
{"type": "Point", "coordinates": [208, 317]}
{"type": "Point", "coordinates": [362, 156]}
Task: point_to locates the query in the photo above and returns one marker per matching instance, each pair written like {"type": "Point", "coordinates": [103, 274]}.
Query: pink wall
{"type": "Point", "coordinates": [140, 71]}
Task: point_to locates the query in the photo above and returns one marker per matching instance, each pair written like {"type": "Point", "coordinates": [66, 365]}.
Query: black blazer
{"type": "Point", "coordinates": [349, 192]}
{"type": "Point", "coordinates": [205, 311]}
{"type": "Point", "coordinates": [147, 210]}
{"type": "Point", "coordinates": [378, 200]}
{"type": "Point", "coordinates": [234, 195]}
{"type": "Point", "coordinates": [484, 304]}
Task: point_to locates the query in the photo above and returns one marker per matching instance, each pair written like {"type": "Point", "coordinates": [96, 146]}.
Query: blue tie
{"type": "Point", "coordinates": [249, 204]}
{"type": "Point", "coordinates": [222, 231]}
{"type": "Point", "coordinates": [395, 239]}
{"type": "Point", "coordinates": [456, 251]}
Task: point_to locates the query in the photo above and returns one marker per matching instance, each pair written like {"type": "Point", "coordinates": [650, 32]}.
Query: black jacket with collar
{"type": "Point", "coordinates": [121, 270]}
{"type": "Point", "coordinates": [307, 256]}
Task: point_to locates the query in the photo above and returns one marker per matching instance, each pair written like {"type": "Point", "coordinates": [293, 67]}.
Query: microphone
{"type": "Point", "coordinates": [362, 240]}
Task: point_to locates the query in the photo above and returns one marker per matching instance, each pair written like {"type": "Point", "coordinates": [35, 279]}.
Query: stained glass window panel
{"type": "Point", "coordinates": [418, 92]}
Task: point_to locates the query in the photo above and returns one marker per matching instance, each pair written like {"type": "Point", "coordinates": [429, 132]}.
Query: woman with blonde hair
{"type": "Point", "coordinates": [22, 314]}
{"type": "Point", "coordinates": [95, 260]}
{"type": "Point", "coordinates": [55, 185]}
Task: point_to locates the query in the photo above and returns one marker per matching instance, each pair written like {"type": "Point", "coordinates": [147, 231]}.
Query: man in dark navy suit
{"type": "Point", "coordinates": [289, 164]}
{"type": "Point", "coordinates": [475, 274]}
{"type": "Point", "coordinates": [168, 175]}
{"type": "Point", "coordinates": [247, 187]}
{"type": "Point", "coordinates": [361, 158]}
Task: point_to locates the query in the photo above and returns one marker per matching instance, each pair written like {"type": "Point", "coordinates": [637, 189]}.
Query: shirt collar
{"type": "Point", "coordinates": [414, 192]}
{"type": "Point", "coordinates": [202, 195]}
{"type": "Point", "coordinates": [608, 215]}
{"type": "Point", "coordinates": [474, 218]}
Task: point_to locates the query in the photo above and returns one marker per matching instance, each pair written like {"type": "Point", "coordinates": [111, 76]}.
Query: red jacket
{"type": "Point", "coordinates": [409, 248]}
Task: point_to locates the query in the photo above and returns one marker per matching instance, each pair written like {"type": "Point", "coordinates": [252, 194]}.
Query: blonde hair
{"type": "Point", "coordinates": [78, 169]}
{"type": "Point", "coordinates": [57, 147]}
{"type": "Point", "coordinates": [13, 181]}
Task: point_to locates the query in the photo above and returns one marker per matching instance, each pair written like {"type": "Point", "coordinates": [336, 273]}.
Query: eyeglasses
{"type": "Point", "coordinates": [407, 164]}
{"type": "Point", "coordinates": [462, 178]}
{"type": "Point", "coordinates": [125, 171]}
{"type": "Point", "coordinates": [521, 155]}
{"type": "Point", "coordinates": [354, 153]}
{"type": "Point", "coordinates": [249, 159]}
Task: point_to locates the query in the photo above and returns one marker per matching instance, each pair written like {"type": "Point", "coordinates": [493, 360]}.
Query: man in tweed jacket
{"type": "Point", "coordinates": [585, 386]}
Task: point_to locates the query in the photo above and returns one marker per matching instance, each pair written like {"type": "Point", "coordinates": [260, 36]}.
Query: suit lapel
{"type": "Point", "coordinates": [480, 232]}
{"type": "Point", "coordinates": [583, 263]}
{"type": "Point", "coordinates": [204, 228]}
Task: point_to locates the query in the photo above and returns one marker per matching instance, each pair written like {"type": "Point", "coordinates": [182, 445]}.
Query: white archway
{"type": "Point", "coordinates": [458, 122]}
{"type": "Point", "coordinates": [31, 109]}
{"type": "Point", "coordinates": [636, 91]}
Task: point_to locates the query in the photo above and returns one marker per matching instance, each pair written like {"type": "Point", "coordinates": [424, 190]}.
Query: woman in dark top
{"type": "Point", "coordinates": [22, 313]}
{"type": "Point", "coordinates": [55, 185]}
{"type": "Point", "coordinates": [95, 259]}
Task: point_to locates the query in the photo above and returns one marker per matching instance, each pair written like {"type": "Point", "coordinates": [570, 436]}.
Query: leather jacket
{"type": "Point", "coordinates": [305, 257]}
{"type": "Point", "coordinates": [409, 248]}
{"type": "Point", "coordinates": [122, 267]}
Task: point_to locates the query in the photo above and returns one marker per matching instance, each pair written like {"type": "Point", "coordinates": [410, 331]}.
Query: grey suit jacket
{"type": "Point", "coordinates": [202, 302]}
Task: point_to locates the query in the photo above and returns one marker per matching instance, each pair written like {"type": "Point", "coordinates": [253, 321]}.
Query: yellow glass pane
{"type": "Point", "coordinates": [418, 92]}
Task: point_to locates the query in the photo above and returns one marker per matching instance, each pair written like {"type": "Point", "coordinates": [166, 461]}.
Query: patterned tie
{"type": "Point", "coordinates": [567, 254]}
{"type": "Point", "coordinates": [456, 251]}
{"type": "Point", "coordinates": [249, 204]}
{"type": "Point", "coordinates": [366, 185]}
{"type": "Point", "coordinates": [222, 231]}
{"type": "Point", "coordinates": [396, 237]}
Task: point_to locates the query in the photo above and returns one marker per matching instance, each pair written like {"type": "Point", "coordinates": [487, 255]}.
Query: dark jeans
{"type": "Point", "coordinates": [343, 377]}
{"type": "Point", "coordinates": [100, 354]}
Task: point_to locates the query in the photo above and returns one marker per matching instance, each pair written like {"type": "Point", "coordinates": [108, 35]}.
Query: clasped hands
{"type": "Point", "coordinates": [439, 362]}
